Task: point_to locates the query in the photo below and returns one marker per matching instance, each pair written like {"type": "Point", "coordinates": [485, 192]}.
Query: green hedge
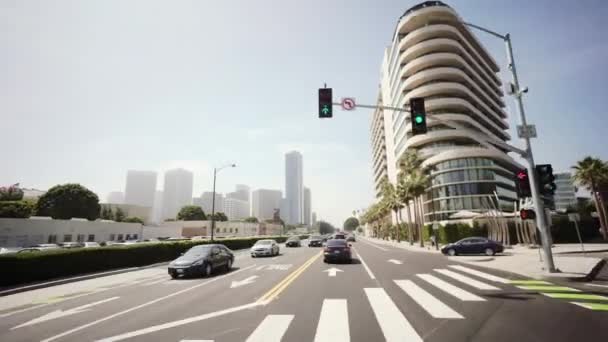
{"type": "Point", "coordinates": [564, 231]}
{"type": "Point", "coordinates": [16, 209]}
{"type": "Point", "coordinates": [30, 267]}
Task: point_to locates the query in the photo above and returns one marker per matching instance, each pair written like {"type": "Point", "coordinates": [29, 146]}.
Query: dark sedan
{"type": "Point", "coordinates": [202, 260]}
{"type": "Point", "coordinates": [473, 245]}
{"type": "Point", "coordinates": [315, 241]}
{"type": "Point", "coordinates": [337, 250]}
{"type": "Point", "coordinates": [293, 241]}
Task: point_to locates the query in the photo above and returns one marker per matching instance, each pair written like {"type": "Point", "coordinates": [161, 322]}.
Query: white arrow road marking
{"type": "Point", "coordinates": [332, 271]}
{"type": "Point", "coordinates": [245, 281]}
{"type": "Point", "coordinates": [60, 313]}
{"type": "Point", "coordinates": [396, 262]}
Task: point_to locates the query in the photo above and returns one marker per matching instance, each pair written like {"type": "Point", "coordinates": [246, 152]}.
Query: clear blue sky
{"type": "Point", "coordinates": [90, 89]}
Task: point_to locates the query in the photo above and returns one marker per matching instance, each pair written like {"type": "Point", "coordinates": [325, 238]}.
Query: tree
{"type": "Point", "coordinates": [15, 209]}
{"type": "Point", "coordinates": [11, 193]}
{"type": "Point", "coordinates": [351, 224]}
{"type": "Point", "coordinates": [360, 230]}
{"type": "Point", "coordinates": [405, 196]}
{"type": "Point", "coordinates": [592, 173]}
{"type": "Point", "coordinates": [106, 213]}
{"type": "Point", "coordinates": [326, 228]}
{"type": "Point", "coordinates": [191, 213]}
{"type": "Point", "coordinates": [251, 219]}
{"type": "Point", "coordinates": [119, 215]}
{"type": "Point", "coordinates": [219, 216]}
{"type": "Point", "coordinates": [391, 200]}
{"type": "Point", "coordinates": [67, 201]}
{"type": "Point", "coordinates": [132, 219]}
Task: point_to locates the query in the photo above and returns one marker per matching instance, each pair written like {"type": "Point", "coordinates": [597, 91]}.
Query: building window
{"type": "Point", "coordinates": [91, 238]}
{"type": "Point", "coordinates": [52, 238]}
{"type": "Point", "coordinates": [67, 238]}
{"type": "Point", "coordinates": [127, 237]}
{"type": "Point", "coordinates": [231, 230]}
{"type": "Point", "coordinates": [80, 238]}
{"type": "Point", "coordinates": [236, 230]}
{"type": "Point", "coordinates": [134, 236]}
{"type": "Point", "coordinates": [120, 236]}
{"type": "Point", "coordinates": [112, 237]}
{"type": "Point", "coordinates": [217, 230]}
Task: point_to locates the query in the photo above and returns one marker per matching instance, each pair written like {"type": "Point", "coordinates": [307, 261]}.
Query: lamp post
{"type": "Point", "coordinates": [215, 171]}
{"type": "Point", "coordinates": [538, 204]}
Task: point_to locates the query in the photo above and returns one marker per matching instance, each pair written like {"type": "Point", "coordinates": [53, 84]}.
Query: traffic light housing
{"type": "Point", "coordinates": [527, 214]}
{"type": "Point", "coordinates": [325, 103]}
{"type": "Point", "coordinates": [417, 115]}
{"type": "Point", "coordinates": [546, 180]}
{"type": "Point", "coordinates": [522, 183]}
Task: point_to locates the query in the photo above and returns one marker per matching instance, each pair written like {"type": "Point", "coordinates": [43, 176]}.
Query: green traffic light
{"type": "Point", "coordinates": [418, 119]}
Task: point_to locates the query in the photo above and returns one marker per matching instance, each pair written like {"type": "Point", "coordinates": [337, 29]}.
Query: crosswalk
{"type": "Point", "coordinates": [456, 281]}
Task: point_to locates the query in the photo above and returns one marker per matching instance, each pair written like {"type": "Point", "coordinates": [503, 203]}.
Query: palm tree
{"type": "Point", "coordinates": [392, 202]}
{"type": "Point", "coordinates": [404, 193]}
{"type": "Point", "coordinates": [418, 182]}
{"type": "Point", "coordinates": [592, 173]}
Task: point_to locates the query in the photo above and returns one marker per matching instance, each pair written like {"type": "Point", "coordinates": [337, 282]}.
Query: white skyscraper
{"type": "Point", "coordinates": [116, 197]}
{"type": "Point", "coordinates": [207, 202]}
{"type": "Point", "coordinates": [306, 218]}
{"type": "Point", "coordinates": [264, 202]}
{"type": "Point", "coordinates": [243, 193]}
{"type": "Point", "coordinates": [157, 208]}
{"type": "Point", "coordinates": [565, 192]}
{"type": "Point", "coordinates": [294, 189]}
{"type": "Point", "coordinates": [314, 218]}
{"type": "Point", "coordinates": [177, 191]}
{"type": "Point", "coordinates": [140, 188]}
{"type": "Point", "coordinates": [236, 209]}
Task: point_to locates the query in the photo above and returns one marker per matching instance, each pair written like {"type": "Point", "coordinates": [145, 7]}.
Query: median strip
{"type": "Point", "coordinates": [278, 288]}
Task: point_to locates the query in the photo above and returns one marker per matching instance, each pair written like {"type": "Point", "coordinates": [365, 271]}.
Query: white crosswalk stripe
{"type": "Point", "coordinates": [480, 274]}
{"type": "Point", "coordinates": [432, 305]}
{"type": "Point", "coordinates": [451, 289]}
{"type": "Point", "coordinates": [393, 323]}
{"type": "Point", "coordinates": [333, 322]}
{"type": "Point", "coordinates": [272, 329]}
{"type": "Point", "coordinates": [467, 280]}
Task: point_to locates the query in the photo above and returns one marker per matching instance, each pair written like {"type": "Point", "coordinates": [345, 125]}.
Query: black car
{"type": "Point", "coordinates": [473, 245]}
{"type": "Point", "coordinates": [337, 250]}
{"type": "Point", "coordinates": [351, 238]}
{"type": "Point", "coordinates": [202, 260]}
{"type": "Point", "coordinates": [316, 241]}
{"type": "Point", "coordinates": [293, 241]}
{"type": "Point", "coordinates": [339, 236]}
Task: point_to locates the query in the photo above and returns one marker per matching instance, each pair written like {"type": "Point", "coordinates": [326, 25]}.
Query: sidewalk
{"type": "Point", "coordinates": [524, 260]}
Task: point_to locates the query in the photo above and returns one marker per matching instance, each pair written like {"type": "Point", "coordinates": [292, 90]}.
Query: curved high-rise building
{"type": "Point", "coordinates": [434, 55]}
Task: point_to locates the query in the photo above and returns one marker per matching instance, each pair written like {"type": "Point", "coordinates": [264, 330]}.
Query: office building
{"type": "Point", "coordinates": [207, 202]}
{"type": "Point", "coordinates": [236, 209]}
{"type": "Point", "coordinates": [284, 213]}
{"type": "Point", "coordinates": [264, 202]}
{"type": "Point", "coordinates": [306, 209]}
{"type": "Point", "coordinates": [294, 188]}
{"type": "Point", "coordinates": [565, 192]}
{"type": "Point", "coordinates": [157, 208]}
{"type": "Point", "coordinates": [177, 192]}
{"type": "Point", "coordinates": [140, 188]}
{"type": "Point", "coordinates": [314, 218]}
{"type": "Point", "coordinates": [433, 55]}
{"type": "Point", "coordinates": [116, 197]}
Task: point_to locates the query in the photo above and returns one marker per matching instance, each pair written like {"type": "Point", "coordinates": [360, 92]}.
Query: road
{"type": "Point", "coordinates": [385, 294]}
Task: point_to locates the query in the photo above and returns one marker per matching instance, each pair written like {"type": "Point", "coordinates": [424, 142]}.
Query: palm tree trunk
{"type": "Point", "coordinates": [421, 221]}
{"type": "Point", "coordinates": [397, 214]}
{"type": "Point", "coordinates": [409, 224]}
{"type": "Point", "coordinates": [601, 211]}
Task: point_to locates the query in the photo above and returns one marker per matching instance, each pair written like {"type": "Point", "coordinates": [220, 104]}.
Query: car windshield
{"type": "Point", "coordinates": [198, 251]}
{"type": "Point", "coordinates": [316, 237]}
{"type": "Point", "coordinates": [294, 238]}
{"type": "Point", "coordinates": [264, 242]}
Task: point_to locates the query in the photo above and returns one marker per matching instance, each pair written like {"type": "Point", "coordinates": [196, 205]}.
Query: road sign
{"type": "Point", "coordinates": [574, 217]}
{"type": "Point", "coordinates": [348, 103]}
{"type": "Point", "coordinates": [528, 131]}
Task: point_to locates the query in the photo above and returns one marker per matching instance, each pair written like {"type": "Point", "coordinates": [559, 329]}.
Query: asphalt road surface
{"type": "Point", "coordinates": [385, 294]}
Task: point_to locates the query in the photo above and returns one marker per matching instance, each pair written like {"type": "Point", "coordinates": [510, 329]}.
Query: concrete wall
{"type": "Point", "coordinates": [26, 232]}
{"type": "Point", "coordinates": [202, 228]}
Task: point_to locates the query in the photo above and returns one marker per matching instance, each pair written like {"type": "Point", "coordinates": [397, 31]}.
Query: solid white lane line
{"type": "Point", "coordinates": [272, 329]}
{"type": "Point", "coordinates": [469, 281]}
{"type": "Point", "coordinates": [451, 289]}
{"type": "Point", "coordinates": [169, 325]}
{"type": "Point", "coordinates": [480, 274]}
{"type": "Point", "coordinates": [432, 305]}
{"type": "Point", "coordinates": [374, 245]}
{"type": "Point", "coordinates": [333, 322]}
{"type": "Point", "coordinates": [163, 280]}
{"type": "Point", "coordinates": [393, 324]}
{"type": "Point", "coordinates": [369, 272]}
{"type": "Point", "coordinates": [196, 341]}
{"type": "Point", "coordinates": [597, 285]}
{"type": "Point", "coordinates": [84, 326]}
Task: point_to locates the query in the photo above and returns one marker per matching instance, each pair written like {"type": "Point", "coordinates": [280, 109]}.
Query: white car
{"type": "Point", "coordinates": [91, 244]}
{"type": "Point", "coordinates": [265, 248]}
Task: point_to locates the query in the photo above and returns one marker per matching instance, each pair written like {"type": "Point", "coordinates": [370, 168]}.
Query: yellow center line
{"type": "Point", "coordinates": [282, 285]}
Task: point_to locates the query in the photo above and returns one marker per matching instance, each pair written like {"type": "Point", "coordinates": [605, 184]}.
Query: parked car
{"type": "Point", "coordinates": [293, 241]}
{"type": "Point", "coordinates": [337, 250]}
{"type": "Point", "coordinates": [91, 244]}
{"type": "Point", "coordinates": [351, 238]}
{"type": "Point", "coordinates": [473, 245]}
{"type": "Point", "coordinates": [72, 245]}
{"type": "Point", "coordinates": [265, 248]}
{"type": "Point", "coordinates": [9, 250]}
{"type": "Point", "coordinates": [202, 260]}
{"type": "Point", "coordinates": [46, 245]}
{"type": "Point", "coordinates": [315, 241]}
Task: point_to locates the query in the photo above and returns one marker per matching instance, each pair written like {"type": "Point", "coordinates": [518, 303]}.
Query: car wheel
{"type": "Point", "coordinates": [229, 265]}
{"type": "Point", "coordinates": [451, 252]}
{"type": "Point", "coordinates": [489, 251]}
{"type": "Point", "coordinates": [208, 270]}
{"type": "Point", "coordinates": [173, 275]}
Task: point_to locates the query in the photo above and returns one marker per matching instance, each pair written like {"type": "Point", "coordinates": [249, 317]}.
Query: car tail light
{"type": "Point", "coordinates": [327, 249]}
{"type": "Point", "coordinates": [347, 249]}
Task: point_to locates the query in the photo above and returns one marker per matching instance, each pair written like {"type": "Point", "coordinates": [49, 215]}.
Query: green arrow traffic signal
{"type": "Point", "coordinates": [325, 110]}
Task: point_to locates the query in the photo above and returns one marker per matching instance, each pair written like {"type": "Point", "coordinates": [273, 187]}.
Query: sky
{"type": "Point", "coordinates": [91, 89]}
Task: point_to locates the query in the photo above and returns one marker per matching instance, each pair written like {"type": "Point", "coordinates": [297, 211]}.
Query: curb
{"type": "Point", "coordinates": [74, 279]}
{"type": "Point", "coordinates": [586, 252]}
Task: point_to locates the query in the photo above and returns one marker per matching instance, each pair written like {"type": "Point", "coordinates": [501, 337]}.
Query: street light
{"type": "Point", "coordinates": [538, 204]}
{"type": "Point", "coordinates": [215, 171]}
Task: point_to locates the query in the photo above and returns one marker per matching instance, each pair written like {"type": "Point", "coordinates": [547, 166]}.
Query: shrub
{"type": "Point", "coordinates": [11, 193]}
{"type": "Point", "coordinates": [132, 219]}
{"type": "Point", "coordinates": [191, 213]}
{"type": "Point", "coordinates": [16, 209]}
{"type": "Point", "coordinates": [24, 268]}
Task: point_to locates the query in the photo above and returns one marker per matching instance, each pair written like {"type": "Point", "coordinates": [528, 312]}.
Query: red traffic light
{"type": "Point", "coordinates": [527, 214]}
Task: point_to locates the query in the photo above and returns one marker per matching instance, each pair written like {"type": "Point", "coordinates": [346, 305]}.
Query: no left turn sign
{"type": "Point", "coordinates": [348, 103]}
